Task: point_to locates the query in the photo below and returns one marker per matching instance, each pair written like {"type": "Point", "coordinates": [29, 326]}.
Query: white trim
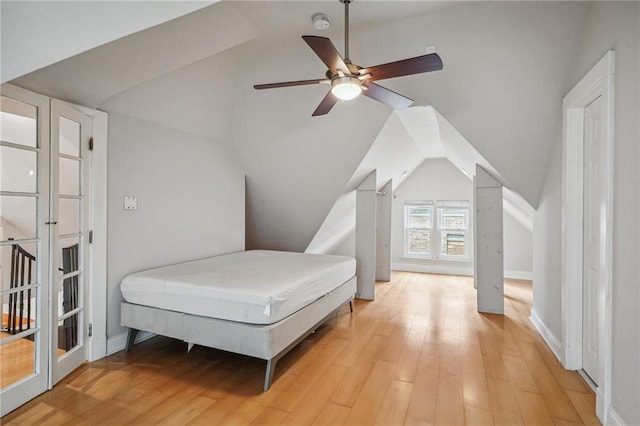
{"type": "Point", "coordinates": [96, 348]}
{"type": "Point", "coordinates": [614, 419]}
{"type": "Point", "coordinates": [119, 342]}
{"type": "Point", "coordinates": [432, 269]}
{"type": "Point", "coordinates": [97, 304]}
{"type": "Point", "coordinates": [552, 341]}
{"type": "Point", "coordinates": [518, 275]}
{"type": "Point", "coordinates": [598, 82]}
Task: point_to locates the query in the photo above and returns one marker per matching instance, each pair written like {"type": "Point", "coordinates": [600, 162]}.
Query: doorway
{"type": "Point", "coordinates": [45, 156]}
{"type": "Point", "coordinates": [587, 228]}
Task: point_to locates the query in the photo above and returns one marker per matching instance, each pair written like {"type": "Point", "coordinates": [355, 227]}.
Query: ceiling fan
{"type": "Point", "coordinates": [348, 80]}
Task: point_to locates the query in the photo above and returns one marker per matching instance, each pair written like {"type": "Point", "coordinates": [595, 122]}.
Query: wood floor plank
{"type": "Point", "coordinates": [533, 409]}
{"type": "Point", "coordinates": [585, 405]}
{"type": "Point", "coordinates": [351, 386]}
{"type": "Point", "coordinates": [504, 405]}
{"type": "Point", "coordinates": [554, 396]}
{"type": "Point", "coordinates": [422, 406]}
{"type": "Point", "coordinates": [477, 416]}
{"type": "Point", "coordinates": [367, 405]}
{"type": "Point", "coordinates": [394, 406]}
{"type": "Point", "coordinates": [420, 354]}
{"type": "Point", "coordinates": [313, 400]}
{"type": "Point", "coordinates": [475, 392]}
{"type": "Point", "coordinates": [519, 374]}
{"type": "Point", "coordinates": [449, 399]}
{"type": "Point", "coordinates": [332, 415]}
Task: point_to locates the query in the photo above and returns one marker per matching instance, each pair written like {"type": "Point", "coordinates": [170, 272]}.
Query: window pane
{"type": "Point", "coordinates": [419, 217]}
{"type": "Point", "coordinates": [17, 359]}
{"type": "Point", "coordinates": [18, 122]}
{"type": "Point", "coordinates": [453, 218]}
{"type": "Point", "coordinates": [452, 243]}
{"type": "Point", "coordinates": [18, 217]}
{"type": "Point", "coordinates": [69, 177]}
{"type": "Point", "coordinates": [22, 273]}
{"type": "Point", "coordinates": [69, 259]}
{"type": "Point", "coordinates": [419, 241]}
{"type": "Point", "coordinates": [69, 137]}
{"type": "Point", "coordinates": [18, 170]}
{"type": "Point", "coordinates": [68, 334]}
{"type": "Point", "coordinates": [68, 216]}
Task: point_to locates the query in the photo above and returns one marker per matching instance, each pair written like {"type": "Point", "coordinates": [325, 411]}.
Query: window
{"type": "Point", "coordinates": [418, 226]}
{"type": "Point", "coordinates": [453, 223]}
{"type": "Point", "coordinates": [443, 235]}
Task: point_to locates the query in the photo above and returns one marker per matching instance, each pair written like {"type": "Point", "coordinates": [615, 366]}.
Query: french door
{"type": "Point", "coordinates": [69, 178]}
{"type": "Point", "coordinates": [43, 256]}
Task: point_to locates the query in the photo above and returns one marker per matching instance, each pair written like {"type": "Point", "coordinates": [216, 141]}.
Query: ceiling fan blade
{"type": "Point", "coordinates": [327, 52]}
{"type": "Point", "coordinates": [417, 65]}
{"type": "Point", "coordinates": [325, 106]}
{"type": "Point", "coordinates": [386, 96]}
{"type": "Point", "coordinates": [290, 84]}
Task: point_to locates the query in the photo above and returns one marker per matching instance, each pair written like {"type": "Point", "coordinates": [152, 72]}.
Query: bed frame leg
{"type": "Point", "coordinates": [189, 347]}
{"type": "Point", "coordinates": [351, 305]}
{"type": "Point", "coordinates": [268, 375]}
{"type": "Point", "coordinates": [131, 339]}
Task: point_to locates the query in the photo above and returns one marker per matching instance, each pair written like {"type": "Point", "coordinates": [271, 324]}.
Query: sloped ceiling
{"type": "Point", "coordinates": [504, 67]}
{"type": "Point", "coordinates": [39, 33]}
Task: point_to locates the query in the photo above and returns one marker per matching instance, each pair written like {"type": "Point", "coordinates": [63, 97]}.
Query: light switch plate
{"type": "Point", "coordinates": [130, 202]}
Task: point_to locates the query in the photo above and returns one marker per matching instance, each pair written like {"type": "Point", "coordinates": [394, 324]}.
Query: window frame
{"type": "Point", "coordinates": [440, 207]}
{"type": "Point", "coordinates": [436, 231]}
{"type": "Point", "coordinates": [407, 206]}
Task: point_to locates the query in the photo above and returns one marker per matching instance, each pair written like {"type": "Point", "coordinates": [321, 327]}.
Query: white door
{"type": "Point", "coordinates": [70, 136]}
{"type": "Point", "coordinates": [24, 247]}
{"type": "Point", "coordinates": [593, 287]}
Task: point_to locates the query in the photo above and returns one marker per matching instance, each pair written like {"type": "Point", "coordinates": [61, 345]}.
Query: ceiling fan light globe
{"type": "Point", "coordinates": [346, 88]}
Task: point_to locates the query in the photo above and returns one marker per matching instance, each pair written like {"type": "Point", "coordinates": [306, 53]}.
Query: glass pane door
{"type": "Point", "coordinates": [69, 169]}
{"type": "Point", "coordinates": [24, 170]}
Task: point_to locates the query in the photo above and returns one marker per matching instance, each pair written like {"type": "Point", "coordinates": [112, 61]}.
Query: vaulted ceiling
{"type": "Point", "coordinates": [505, 68]}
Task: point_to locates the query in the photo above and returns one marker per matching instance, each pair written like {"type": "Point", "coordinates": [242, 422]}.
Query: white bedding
{"type": "Point", "coordinates": [256, 286]}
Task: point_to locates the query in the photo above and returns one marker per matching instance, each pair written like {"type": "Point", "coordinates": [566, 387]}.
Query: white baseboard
{"type": "Point", "coordinates": [614, 419]}
{"type": "Point", "coordinates": [432, 269]}
{"type": "Point", "coordinates": [119, 342]}
{"type": "Point", "coordinates": [454, 270]}
{"type": "Point", "coordinates": [97, 349]}
{"type": "Point", "coordinates": [519, 275]}
{"type": "Point", "coordinates": [551, 340]}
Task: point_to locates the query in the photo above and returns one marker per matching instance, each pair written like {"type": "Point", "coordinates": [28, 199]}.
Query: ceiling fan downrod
{"type": "Point", "coordinates": [346, 29]}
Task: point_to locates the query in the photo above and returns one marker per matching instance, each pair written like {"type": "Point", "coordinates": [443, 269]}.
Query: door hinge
{"type": "Point", "coordinates": [90, 330]}
{"type": "Point", "coordinates": [91, 143]}
{"type": "Point", "coordinates": [90, 237]}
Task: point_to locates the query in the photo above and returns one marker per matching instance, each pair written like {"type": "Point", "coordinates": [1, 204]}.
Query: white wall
{"type": "Point", "coordinates": [190, 201]}
{"type": "Point", "coordinates": [546, 249]}
{"type": "Point", "coordinates": [609, 25]}
{"type": "Point", "coordinates": [435, 179]}
{"type": "Point", "coordinates": [438, 179]}
{"type": "Point", "coordinates": [518, 249]}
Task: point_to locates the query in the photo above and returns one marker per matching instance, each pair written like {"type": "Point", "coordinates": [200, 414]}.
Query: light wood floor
{"type": "Point", "coordinates": [419, 355]}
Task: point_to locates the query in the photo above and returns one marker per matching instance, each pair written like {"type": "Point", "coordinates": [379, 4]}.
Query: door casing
{"type": "Point", "coordinates": [598, 82]}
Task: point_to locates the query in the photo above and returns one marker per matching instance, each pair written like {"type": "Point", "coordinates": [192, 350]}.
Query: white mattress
{"type": "Point", "coordinates": [257, 286]}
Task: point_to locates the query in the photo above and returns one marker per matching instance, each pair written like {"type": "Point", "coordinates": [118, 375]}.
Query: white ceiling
{"type": "Point", "coordinates": [505, 69]}
{"type": "Point", "coordinates": [53, 31]}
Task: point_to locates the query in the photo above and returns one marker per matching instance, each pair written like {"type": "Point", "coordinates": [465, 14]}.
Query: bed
{"type": "Point", "coordinates": [258, 303]}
